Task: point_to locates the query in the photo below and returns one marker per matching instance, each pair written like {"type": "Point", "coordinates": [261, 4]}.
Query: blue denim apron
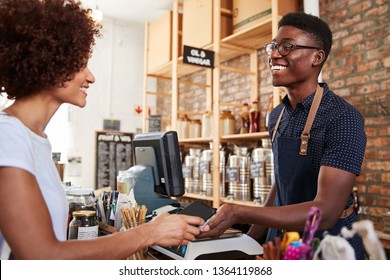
{"type": "Point", "coordinates": [296, 182]}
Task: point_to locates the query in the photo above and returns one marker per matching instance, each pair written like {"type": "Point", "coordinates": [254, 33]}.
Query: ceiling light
{"type": "Point", "coordinates": [97, 14]}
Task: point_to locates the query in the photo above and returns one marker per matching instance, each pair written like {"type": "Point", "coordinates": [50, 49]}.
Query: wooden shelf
{"type": "Point", "coordinates": [253, 38]}
{"type": "Point", "coordinates": [240, 202]}
{"type": "Point", "coordinates": [246, 136]}
{"type": "Point", "coordinates": [198, 196]}
{"type": "Point", "coordinates": [245, 42]}
{"type": "Point", "coordinates": [196, 140]}
{"type": "Point", "coordinates": [233, 46]}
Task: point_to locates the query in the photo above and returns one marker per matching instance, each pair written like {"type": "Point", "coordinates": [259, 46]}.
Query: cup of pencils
{"type": "Point", "coordinates": [133, 217]}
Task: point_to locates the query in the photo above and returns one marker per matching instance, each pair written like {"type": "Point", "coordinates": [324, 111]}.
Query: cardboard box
{"type": "Point", "coordinates": [160, 41]}
{"type": "Point", "coordinates": [198, 22]}
{"type": "Point", "coordinates": [247, 13]}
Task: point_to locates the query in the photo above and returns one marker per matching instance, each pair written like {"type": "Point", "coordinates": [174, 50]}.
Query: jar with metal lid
{"type": "Point", "coordinates": [79, 199]}
{"type": "Point", "coordinates": [84, 225]}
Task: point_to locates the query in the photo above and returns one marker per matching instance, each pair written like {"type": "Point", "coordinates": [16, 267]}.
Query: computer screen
{"type": "Point", "coordinates": [161, 151]}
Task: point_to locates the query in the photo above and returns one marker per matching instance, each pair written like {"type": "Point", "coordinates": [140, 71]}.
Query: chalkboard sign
{"type": "Point", "coordinates": [113, 153]}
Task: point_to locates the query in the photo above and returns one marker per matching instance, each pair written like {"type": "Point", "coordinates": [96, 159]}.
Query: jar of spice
{"type": "Point", "coordinates": [227, 123]}
{"type": "Point", "coordinates": [84, 225]}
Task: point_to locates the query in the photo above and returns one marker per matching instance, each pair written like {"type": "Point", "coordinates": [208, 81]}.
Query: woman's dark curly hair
{"type": "Point", "coordinates": [43, 43]}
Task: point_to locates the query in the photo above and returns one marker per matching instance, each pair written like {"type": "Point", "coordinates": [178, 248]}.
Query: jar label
{"type": "Point", "coordinates": [257, 169]}
{"type": "Point", "coordinates": [232, 174]}
{"type": "Point", "coordinates": [87, 232]}
{"type": "Point", "coordinates": [187, 171]}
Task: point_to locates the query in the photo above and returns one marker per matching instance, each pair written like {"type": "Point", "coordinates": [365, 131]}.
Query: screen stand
{"type": "Point", "coordinates": [144, 189]}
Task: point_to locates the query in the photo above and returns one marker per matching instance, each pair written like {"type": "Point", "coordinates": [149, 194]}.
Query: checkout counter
{"type": "Point", "coordinates": [232, 245]}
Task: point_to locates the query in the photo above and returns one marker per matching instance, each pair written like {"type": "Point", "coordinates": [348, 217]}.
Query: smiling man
{"type": "Point", "coordinates": [318, 141]}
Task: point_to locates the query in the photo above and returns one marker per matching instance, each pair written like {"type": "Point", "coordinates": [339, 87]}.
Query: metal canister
{"type": "Point", "coordinates": [222, 173]}
{"type": "Point", "coordinates": [84, 225]}
{"type": "Point", "coordinates": [262, 173]}
{"type": "Point", "coordinates": [206, 172]}
{"type": "Point", "coordinates": [191, 171]}
{"type": "Point", "coordinates": [237, 172]}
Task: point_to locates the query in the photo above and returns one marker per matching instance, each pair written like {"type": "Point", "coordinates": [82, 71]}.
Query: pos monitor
{"type": "Point", "coordinates": [161, 152]}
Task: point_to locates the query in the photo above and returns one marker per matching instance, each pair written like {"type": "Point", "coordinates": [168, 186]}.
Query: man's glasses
{"type": "Point", "coordinates": [285, 48]}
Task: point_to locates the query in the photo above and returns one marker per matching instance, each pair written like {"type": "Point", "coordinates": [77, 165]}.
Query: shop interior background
{"type": "Point", "coordinates": [358, 70]}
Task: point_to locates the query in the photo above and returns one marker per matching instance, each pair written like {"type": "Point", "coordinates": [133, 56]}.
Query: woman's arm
{"type": "Point", "coordinates": [26, 225]}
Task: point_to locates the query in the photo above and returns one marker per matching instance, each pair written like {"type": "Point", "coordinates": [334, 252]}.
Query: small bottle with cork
{"type": "Point", "coordinates": [254, 118]}
{"type": "Point", "coordinates": [244, 119]}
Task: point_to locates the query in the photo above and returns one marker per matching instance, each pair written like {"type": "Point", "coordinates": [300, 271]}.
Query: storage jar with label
{"type": "Point", "coordinates": [79, 199]}
{"type": "Point", "coordinates": [194, 130]}
{"type": "Point", "coordinates": [84, 225]}
{"type": "Point", "coordinates": [207, 125]}
{"type": "Point", "coordinates": [227, 123]}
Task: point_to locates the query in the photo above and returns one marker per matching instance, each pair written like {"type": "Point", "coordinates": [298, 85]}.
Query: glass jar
{"type": "Point", "coordinates": [207, 125]}
{"type": "Point", "coordinates": [84, 225]}
{"type": "Point", "coordinates": [194, 130]}
{"type": "Point", "coordinates": [79, 199]}
{"type": "Point", "coordinates": [183, 125]}
{"type": "Point", "coordinates": [227, 123]}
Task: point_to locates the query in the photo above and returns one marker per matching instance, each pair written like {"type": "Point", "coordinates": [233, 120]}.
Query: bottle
{"type": "Point", "coordinates": [244, 119]}
{"type": "Point", "coordinates": [254, 118]}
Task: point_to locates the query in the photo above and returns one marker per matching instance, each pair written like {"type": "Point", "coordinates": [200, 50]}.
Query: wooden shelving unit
{"type": "Point", "coordinates": [245, 42]}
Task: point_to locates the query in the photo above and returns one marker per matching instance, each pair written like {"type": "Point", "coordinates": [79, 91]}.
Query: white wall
{"type": "Point", "coordinates": [117, 64]}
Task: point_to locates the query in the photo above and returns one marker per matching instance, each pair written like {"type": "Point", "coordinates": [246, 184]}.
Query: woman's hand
{"type": "Point", "coordinates": [173, 230]}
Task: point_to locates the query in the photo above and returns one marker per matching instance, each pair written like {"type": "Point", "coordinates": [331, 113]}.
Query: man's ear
{"type": "Point", "coordinates": [319, 57]}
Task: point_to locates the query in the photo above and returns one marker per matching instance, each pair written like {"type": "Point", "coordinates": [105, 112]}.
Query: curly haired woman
{"type": "Point", "coordinates": [44, 50]}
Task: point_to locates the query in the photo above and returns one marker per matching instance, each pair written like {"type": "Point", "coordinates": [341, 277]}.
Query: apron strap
{"type": "Point", "coordinates": [306, 131]}
{"type": "Point", "coordinates": [277, 125]}
{"type": "Point", "coordinates": [312, 113]}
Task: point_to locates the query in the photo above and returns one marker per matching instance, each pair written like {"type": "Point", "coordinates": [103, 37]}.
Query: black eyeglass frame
{"type": "Point", "coordinates": [284, 46]}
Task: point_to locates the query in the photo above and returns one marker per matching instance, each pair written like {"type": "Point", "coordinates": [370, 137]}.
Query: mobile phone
{"type": "Point", "coordinates": [199, 209]}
